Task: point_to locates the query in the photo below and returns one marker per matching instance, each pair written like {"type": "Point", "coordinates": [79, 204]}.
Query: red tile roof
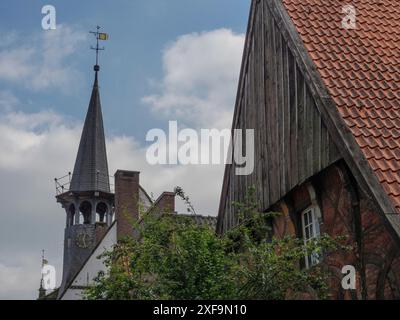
{"type": "Point", "coordinates": [361, 70]}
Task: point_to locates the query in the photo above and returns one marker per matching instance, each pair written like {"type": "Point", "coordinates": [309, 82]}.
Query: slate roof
{"type": "Point", "coordinates": [361, 70]}
{"type": "Point", "coordinates": [91, 168]}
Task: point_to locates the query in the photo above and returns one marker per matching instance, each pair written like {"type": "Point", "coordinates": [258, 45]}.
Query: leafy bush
{"type": "Point", "coordinates": [173, 258]}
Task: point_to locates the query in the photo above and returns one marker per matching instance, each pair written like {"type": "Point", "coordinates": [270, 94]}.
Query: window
{"type": "Point", "coordinates": [310, 224]}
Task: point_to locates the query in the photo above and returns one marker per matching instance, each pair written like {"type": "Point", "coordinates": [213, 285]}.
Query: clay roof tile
{"type": "Point", "coordinates": [361, 71]}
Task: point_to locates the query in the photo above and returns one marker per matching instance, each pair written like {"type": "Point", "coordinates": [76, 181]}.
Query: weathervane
{"type": "Point", "coordinates": [99, 36]}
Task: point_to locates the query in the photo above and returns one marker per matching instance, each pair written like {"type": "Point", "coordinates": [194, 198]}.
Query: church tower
{"type": "Point", "coordinates": [86, 197]}
{"type": "Point", "coordinates": [96, 216]}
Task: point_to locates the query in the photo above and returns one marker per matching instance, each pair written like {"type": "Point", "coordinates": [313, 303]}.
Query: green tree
{"type": "Point", "coordinates": [173, 258]}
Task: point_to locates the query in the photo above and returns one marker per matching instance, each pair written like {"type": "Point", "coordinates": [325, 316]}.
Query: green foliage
{"type": "Point", "coordinates": [271, 271]}
{"type": "Point", "coordinates": [173, 258]}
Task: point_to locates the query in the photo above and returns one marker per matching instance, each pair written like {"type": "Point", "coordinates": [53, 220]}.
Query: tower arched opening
{"type": "Point", "coordinates": [71, 214]}
{"type": "Point", "coordinates": [101, 210]}
{"type": "Point", "coordinates": [86, 209]}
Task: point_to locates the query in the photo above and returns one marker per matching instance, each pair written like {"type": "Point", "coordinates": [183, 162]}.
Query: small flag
{"type": "Point", "coordinates": [103, 36]}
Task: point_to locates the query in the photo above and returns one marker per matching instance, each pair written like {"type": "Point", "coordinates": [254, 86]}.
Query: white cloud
{"type": "Point", "coordinates": [201, 182]}
{"type": "Point", "coordinates": [14, 63]}
{"type": "Point", "coordinates": [198, 88]}
{"type": "Point", "coordinates": [23, 274]}
{"type": "Point", "coordinates": [7, 101]}
{"type": "Point", "coordinates": [201, 71]}
{"type": "Point", "coordinates": [7, 38]}
{"type": "Point", "coordinates": [36, 147]}
{"type": "Point", "coordinates": [40, 61]}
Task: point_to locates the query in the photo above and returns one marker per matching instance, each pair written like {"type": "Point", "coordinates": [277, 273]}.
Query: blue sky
{"type": "Point", "coordinates": [139, 31]}
{"type": "Point", "coordinates": [165, 60]}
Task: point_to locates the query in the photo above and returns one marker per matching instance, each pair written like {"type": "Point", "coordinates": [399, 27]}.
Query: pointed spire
{"type": "Point", "coordinates": [91, 168]}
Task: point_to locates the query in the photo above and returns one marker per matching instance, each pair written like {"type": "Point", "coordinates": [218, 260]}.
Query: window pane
{"type": "Point", "coordinates": [310, 231]}
{"type": "Point", "coordinates": [310, 217]}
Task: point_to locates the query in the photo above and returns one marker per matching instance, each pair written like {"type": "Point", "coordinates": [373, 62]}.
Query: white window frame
{"type": "Point", "coordinates": [310, 222]}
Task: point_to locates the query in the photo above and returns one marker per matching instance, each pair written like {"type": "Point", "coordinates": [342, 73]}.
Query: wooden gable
{"type": "Point", "coordinates": [274, 98]}
{"type": "Point", "coordinates": [278, 75]}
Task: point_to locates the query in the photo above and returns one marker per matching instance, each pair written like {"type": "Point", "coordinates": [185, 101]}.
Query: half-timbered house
{"type": "Point", "coordinates": [320, 85]}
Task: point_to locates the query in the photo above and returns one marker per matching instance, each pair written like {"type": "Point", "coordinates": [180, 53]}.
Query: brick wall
{"type": "Point", "coordinates": [126, 201]}
{"type": "Point", "coordinates": [346, 211]}
{"type": "Point", "coordinates": [165, 203]}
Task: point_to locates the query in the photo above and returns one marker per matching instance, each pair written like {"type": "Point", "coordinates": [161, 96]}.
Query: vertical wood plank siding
{"type": "Point", "coordinates": [291, 140]}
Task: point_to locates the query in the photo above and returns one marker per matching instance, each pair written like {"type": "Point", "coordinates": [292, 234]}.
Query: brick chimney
{"type": "Point", "coordinates": [165, 203]}
{"type": "Point", "coordinates": [126, 201]}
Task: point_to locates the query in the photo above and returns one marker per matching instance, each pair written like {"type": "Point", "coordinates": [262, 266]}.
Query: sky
{"type": "Point", "coordinates": [165, 60]}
